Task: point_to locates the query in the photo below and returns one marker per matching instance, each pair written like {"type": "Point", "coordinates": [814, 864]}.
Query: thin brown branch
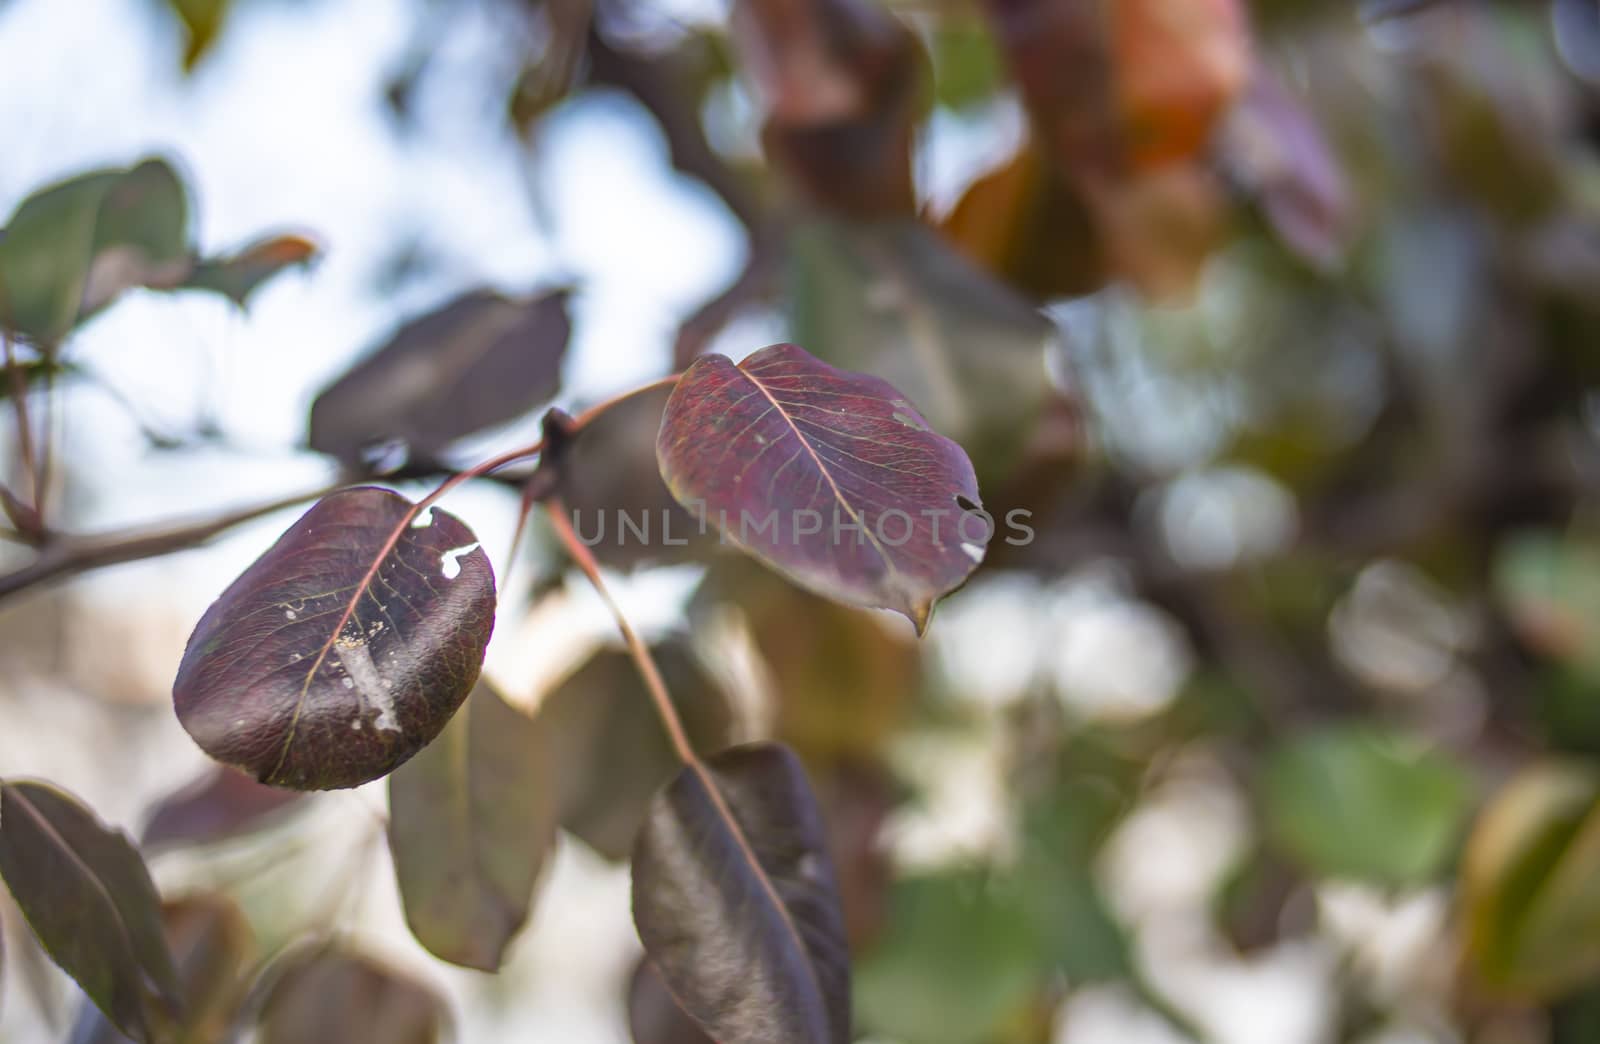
{"type": "Point", "coordinates": [590, 414]}
{"type": "Point", "coordinates": [64, 556]}
{"type": "Point", "coordinates": [637, 648]}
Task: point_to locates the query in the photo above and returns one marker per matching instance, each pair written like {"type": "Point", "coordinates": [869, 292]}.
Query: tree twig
{"type": "Point", "coordinates": [637, 648]}
{"type": "Point", "coordinates": [64, 556]}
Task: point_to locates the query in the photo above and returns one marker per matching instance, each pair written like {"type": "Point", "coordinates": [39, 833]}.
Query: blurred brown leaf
{"type": "Point", "coordinates": [221, 804]}
{"type": "Point", "coordinates": [613, 753]}
{"type": "Point", "coordinates": [1021, 222]}
{"type": "Point", "coordinates": [212, 945]}
{"type": "Point", "coordinates": [1178, 65]}
{"type": "Point", "coordinates": [322, 995]}
{"type": "Point", "coordinates": [841, 81]}
{"type": "Point", "coordinates": [1159, 227]}
{"type": "Point", "coordinates": [481, 359]}
{"type": "Point", "coordinates": [1124, 99]}
{"type": "Point", "coordinates": [472, 819]}
{"type": "Point", "coordinates": [653, 1016]}
{"type": "Point", "coordinates": [844, 681]}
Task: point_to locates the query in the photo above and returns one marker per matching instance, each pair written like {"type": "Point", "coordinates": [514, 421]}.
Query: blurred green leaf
{"type": "Point", "coordinates": [323, 995]}
{"type": "Point", "coordinates": [238, 276]}
{"type": "Point", "coordinates": [1530, 884]}
{"type": "Point", "coordinates": [72, 248]}
{"type": "Point", "coordinates": [1063, 829]}
{"type": "Point", "coordinates": [141, 236]}
{"type": "Point", "coordinates": [45, 256]}
{"type": "Point", "coordinates": [960, 955]}
{"type": "Point", "coordinates": [202, 21]}
{"type": "Point", "coordinates": [967, 66]}
{"type": "Point", "coordinates": [1355, 801]}
{"type": "Point", "coordinates": [1550, 587]}
{"type": "Point", "coordinates": [1568, 707]}
{"type": "Point", "coordinates": [894, 300]}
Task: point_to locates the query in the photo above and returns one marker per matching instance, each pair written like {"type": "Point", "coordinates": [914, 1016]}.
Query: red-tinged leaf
{"type": "Point", "coordinates": [1277, 150]}
{"type": "Point", "coordinates": [653, 1016]}
{"type": "Point", "coordinates": [329, 996]}
{"type": "Point", "coordinates": [344, 649]}
{"type": "Point", "coordinates": [613, 755]}
{"type": "Point", "coordinates": [224, 803]}
{"type": "Point", "coordinates": [735, 901]}
{"type": "Point", "coordinates": [481, 360]}
{"type": "Point", "coordinates": [471, 820]}
{"type": "Point", "coordinates": [89, 899]}
{"type": "Point", "coordinates": [213, 946]}
{"type": "Point", "coordinates": [238, 276]}
{"type": "Point", "coordinates": [833, 478]}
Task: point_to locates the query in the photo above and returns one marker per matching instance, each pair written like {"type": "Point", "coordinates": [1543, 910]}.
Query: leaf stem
{"type": "Point", "coordinates": [572, 427]}
{"type": "Point", "coordinates": [19, 401]}
{"type": "Point", "coordinates": [64, 556]}
{"type": "Point", "coordinates": [636, 646]}
{"type": "Point", "coordinates": [589, 415]}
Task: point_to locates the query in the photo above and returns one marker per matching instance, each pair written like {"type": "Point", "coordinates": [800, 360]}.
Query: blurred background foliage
{"type": "Point", "coordinates": [1281, 319]}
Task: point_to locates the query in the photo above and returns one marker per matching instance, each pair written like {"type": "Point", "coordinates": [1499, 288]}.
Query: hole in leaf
{"type": "Point", "coordinates": [450, 561]}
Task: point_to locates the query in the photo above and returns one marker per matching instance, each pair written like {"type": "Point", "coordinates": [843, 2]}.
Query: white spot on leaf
{"type": "Point", "coordinates": [450, 561]}
{"type": "Point", "coordinates": [363, 676]}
